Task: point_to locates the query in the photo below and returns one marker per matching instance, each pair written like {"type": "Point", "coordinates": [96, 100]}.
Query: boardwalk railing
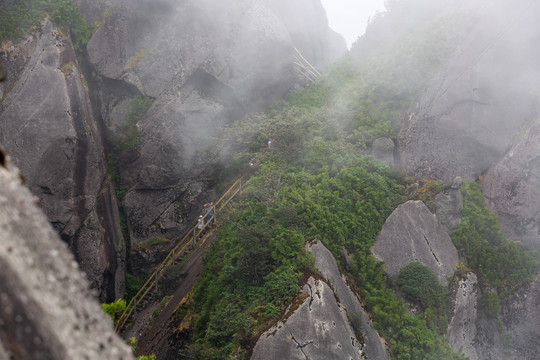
{"type": "Point", "coordinates": [187, 241]}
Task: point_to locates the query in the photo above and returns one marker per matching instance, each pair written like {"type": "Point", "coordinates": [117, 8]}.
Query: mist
{"type": "Point", "coordinates": [124, 118]}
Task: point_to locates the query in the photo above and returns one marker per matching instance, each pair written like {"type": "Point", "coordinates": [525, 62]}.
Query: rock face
{"type": "Point", "coordinates": [450, 206]}
{"type": "Point", "coordinates": [461, 331]}
{"type": "Point", "coordinates": [205, 63]}
{"type": "Point", "coordinates": [512, 190]}
{"type": "Point", "coordinates": [47, 126]}
{"type": "Point", "coordinates": [468, 116]}
{"type": "Point", "coordinates": [47, 310]}
{"type": "Point", "coordinates": [412, 233]}
{"type": "Point", "coordinates": [322, 328]}
{"type": "Point", "coordinates": [521, 316]}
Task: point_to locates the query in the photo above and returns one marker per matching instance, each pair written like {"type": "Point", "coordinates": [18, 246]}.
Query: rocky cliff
{"type": "Point", "coordinates": [477, 120]}
{"type": "Point", "coordinates": [468, 116]}
{"type": "Point", "coordinates": [48, 128]}
{"type": "Point", "coordinates": [204, 64]}
{"type": "Point", "coordinates": [199, 64]}
{"type": "Point", "coordinates": [512, 189]}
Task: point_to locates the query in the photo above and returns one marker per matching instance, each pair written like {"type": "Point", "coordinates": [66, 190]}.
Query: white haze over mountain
{"type": "Point", "coordinates": [350, 17]}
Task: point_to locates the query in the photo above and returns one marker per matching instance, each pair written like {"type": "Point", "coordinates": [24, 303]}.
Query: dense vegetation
{"type": "Point", "coordinates": [317, 183]}
{"type": "Point", "coordinates": [421, 287]}
{"type": "Point", "coordinates": [17, 16]}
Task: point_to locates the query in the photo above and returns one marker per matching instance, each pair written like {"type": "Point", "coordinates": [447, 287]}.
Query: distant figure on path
{"type": "Point", "coordinates": [209, 207]}
{"type": "Point", "coordinates": [200, 223]}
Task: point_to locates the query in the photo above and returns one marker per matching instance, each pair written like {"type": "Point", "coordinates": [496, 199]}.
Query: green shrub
{"type": "Point", "coordinates": [113, 309]}
{"type": "Point", "coordinates": [133, 285]}
{"type": "Point", "coordinates": [419, 284]}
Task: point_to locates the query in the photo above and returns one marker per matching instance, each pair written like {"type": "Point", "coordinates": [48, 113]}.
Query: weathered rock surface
{"type": "Point", "coordinates": [468, 116]}
{"type": "Point", "coordinates": [374, 346]}
{"type": "Point", "coordinates": [489, 344]}
{"type": "Point", "coordinates": [521, 316]}
{"type": "Point", "coordinates": [326, 325]}
{"type": "Point", "coordinates": [512, 190]}
{"type": "Point", "coordinates": [47, 310]}
{"type": "Point", "coordinates": [318, 329]}
{"type": "Point", "coordinates": [412, 233]}
{"type": "Point", "coordinates": [47, 126]}
{"type": "Point", "coordinates": [449, 206]}
{"type": "Point", "coordinates": [205, 63]}
{"type": "Point", "coordinates": [461, 331]}
{"type": "Point", "coordinates": [383, 150]}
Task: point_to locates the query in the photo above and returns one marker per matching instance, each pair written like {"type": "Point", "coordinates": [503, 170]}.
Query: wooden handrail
{"type": "Point", "coordinates": [173, 254]}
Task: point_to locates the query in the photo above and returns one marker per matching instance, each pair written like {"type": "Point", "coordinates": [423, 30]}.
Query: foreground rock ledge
{"type": "Point", "coordinates": [47, 310]}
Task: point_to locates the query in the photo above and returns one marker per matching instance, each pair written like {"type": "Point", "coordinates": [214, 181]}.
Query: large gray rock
{"type": "Point", "coordinates": [47, 126]}
{"type": "Point", "coordinates": [318, 330]}
{"type": "Point", "coordinates": [412, 233]}
{"type": "Point", "coordinates": [205, 63]}
{"type": "Point", "coordinates": [512, 190]}
{"type": "Point", "coordinates": [461, 332]}
{"type": "Point", "coordinates": [47, 310]}
{"type": "Point", "coordinates": [468, 116]}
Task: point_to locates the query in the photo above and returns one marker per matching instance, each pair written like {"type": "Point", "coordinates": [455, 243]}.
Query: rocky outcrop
{"type": "Point", "coordinates": [47, 310]}
{"type": "Point", "coordinates": [318, 329]}
{"type": "Point", "coordinates": [449, 205]}
{"type": "Point", "coordinates": [205, 64]}
{"type": "Point", "coordinates": [47, 126]}
{"type": "Point", "coordinates": [374, 346]}
{"type": "Point", "coordinates": [512, 190]}
{"type": "Point", "coordinates": [412, 233]}
{"type": "Point", "coordinates": [329, 324]}
{"type": "Point", "coordinates": [468, 116]}
{"type": "Point", "coordinates": [461, 332]}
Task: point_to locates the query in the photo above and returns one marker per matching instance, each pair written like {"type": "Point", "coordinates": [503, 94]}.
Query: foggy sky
{"type": "Point", "coordinates": [349, 17]}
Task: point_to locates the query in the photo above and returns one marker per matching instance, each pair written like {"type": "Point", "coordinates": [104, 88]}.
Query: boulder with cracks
{"type": "Point", "coordinates": [413, 234]}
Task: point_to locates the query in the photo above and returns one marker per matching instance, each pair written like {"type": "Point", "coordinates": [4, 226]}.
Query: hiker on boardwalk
{"type": "Point", "coordinates": [200, 223]}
